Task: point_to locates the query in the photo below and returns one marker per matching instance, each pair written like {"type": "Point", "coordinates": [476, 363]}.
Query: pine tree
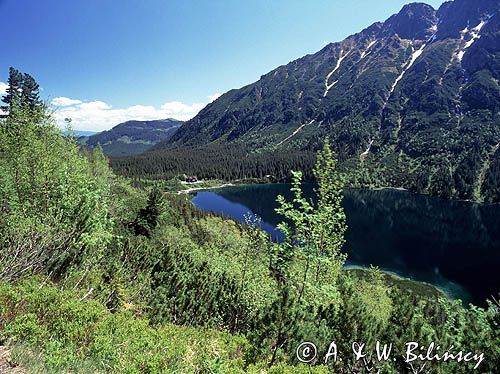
{"type": "Point", "coordinates": [147, 218]}
{"type": "Point", "coordinates": [14, 89]}
{"type": "Point", "coordinates": [30, 92]}
{"type": "Point", "coordinates": [279, 324]}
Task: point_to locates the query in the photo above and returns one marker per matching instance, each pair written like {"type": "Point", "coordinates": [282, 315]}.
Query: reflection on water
{"type": "Point", "coordinates": [453, 245]}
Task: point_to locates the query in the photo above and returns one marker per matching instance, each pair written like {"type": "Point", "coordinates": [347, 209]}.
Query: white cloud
{"type": "Point", "coordinates": [98, 115]}
{"type": "Point", "coordinates": [177, 107]}
{"type": "Point", "coordinates": [65, 101]}
{"type": "Point", "coordinates": [3, 88]}
{"type": "Point", "coordinates": [214, 97]}
{"type": "Point", "coordinates": [94, 106]}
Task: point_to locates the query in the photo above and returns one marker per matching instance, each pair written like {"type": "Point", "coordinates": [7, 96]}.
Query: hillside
{"type": "Point", "coordinates": [132, 137]}
{"type": "Point", "coordinates": [411, 102]}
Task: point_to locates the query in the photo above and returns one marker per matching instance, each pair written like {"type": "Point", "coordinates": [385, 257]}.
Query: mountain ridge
{"type": "Point", "coordinates": [132, 137]}
{"type": "Point", "coordinates": [387, 30]}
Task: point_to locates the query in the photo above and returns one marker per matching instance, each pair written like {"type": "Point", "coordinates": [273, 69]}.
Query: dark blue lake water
{"type": "Point", "coordinates": [450, 244]}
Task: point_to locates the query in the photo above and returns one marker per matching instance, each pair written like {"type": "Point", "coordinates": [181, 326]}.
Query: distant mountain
{"type": "Point", "coordinates": [79, 133]}
{"type": "Point", "coordinates": [411, 102]}
{"type": "Point", "coordinates": [132, 137]}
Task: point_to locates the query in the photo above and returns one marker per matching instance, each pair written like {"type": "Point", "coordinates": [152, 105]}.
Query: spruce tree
{"type": "Point", "coordinates": [14, 88]}
{"type": "Point", "coordinates": [147, 218]}
{"type": "Point", "coordinates": [30, 92]}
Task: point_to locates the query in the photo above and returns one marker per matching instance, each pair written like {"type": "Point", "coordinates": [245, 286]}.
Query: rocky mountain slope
{"type": "Point", "coordinates": [132, 137]}
{"type": "Point", "coordinates": [411, 102]}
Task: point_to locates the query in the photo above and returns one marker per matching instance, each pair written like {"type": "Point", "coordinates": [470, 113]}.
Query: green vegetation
{"type": "Point", "coordinates": [100, 274]}
{"type": "Point", "coordinates": [53, 200]}
{"type": "Point", "coordinates": [76, 335]}
{"type": "Point", "coordinates": [392, 280]}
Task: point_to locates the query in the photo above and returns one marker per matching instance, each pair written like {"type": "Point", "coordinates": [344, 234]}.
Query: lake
{"type": "Point", "coordinates": [453, 245]}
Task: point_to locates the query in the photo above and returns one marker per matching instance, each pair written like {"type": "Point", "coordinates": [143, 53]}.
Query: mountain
{"type": "Point", "coordinates": [411, 102]}
{"type": "Point", "coordinates": [80, 133]}
{"type": "Point", "coordinates": [132, 137]}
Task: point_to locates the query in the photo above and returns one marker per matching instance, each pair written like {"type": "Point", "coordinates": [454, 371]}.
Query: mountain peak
{"type": "Point", "coordinates": [413, 21]}
{"type": "Point", "coordinates": [459, 14]}
{"type": "Point", "coordinates": [417, 8]}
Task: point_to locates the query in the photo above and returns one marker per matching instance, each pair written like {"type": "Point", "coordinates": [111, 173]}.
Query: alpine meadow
{"type": "Point", "coordinates": [107, 264]}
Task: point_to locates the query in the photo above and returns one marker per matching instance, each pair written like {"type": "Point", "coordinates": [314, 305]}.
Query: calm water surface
{"type": "Point", "coordinates": [453, 245]}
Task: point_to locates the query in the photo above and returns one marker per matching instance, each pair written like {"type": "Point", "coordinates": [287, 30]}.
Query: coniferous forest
{"type": "Point", "coordinates": [231, 162]}
{"type": "Point", "coordinates": [100, 274]}
{"type": "Point", "coordinates": [224, 162]}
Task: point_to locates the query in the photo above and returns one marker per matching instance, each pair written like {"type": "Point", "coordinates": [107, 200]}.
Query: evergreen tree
{"type": "Point", "coordinates": [442, 184]}
{"type": "Point", "coordinates": [278, 325]}
{"type": "Point", "coordinates": [14, 89]}
{"type": "Point", "coordinates": [30, 93]}
{"type": "Point", "coordinates": [491, 184]}
{"type": "Point", "coordinates": [466, 174]}
{"type": "Point", "coordinates": [147, 218]}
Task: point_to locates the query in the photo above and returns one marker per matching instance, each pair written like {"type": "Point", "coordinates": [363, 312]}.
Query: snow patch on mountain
{"type": "Point", "coordinates": [415, 55]}
{"type": "Point", "coordinates": [363, 155]}
{"type": "Point", "coordinates": [475, 35]}
{"type": "Point", "coordinates": [367, 51]}
{"type": "Point", "coordinates": [295, 132]}
{"type": "Point", "coordinates": [337, 66]}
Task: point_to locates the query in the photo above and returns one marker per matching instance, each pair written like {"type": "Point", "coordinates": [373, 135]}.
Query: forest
{"type": "Point", "coordinates": [223, 162]}
{"type": "Point", "coordinates": [100, 274]}
{"type": "Point", "coordinates": [475, 178]}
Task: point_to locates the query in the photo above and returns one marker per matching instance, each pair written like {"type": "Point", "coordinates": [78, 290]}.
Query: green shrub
{"type": "Point", "coordinates": [73, 334]}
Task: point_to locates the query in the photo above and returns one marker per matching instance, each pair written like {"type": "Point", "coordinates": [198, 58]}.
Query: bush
{"type": "Point", "coordinates": [70, 332]}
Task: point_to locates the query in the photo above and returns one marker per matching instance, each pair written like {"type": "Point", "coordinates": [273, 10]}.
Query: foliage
{"type": "Point", "coordinates": [147, 218]}
{"type": "Point", "coordinates": [69, 331]}
{"type": "Point", "coordinates": [491, 186]}
{"type": "Point", "coordinates": [313, 235]}
{"type": "Point", "coordinates": [214, 162]}
{"type": "Point", "coordinates": [53, 200]}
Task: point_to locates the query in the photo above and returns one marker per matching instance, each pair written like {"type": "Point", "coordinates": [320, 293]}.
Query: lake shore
{"type": "Point", "coordinates": [252, 181]}
{"type": "Point", "coordinates": [194, 189]}
{"type": "Point", "coordinates": [418, 287]}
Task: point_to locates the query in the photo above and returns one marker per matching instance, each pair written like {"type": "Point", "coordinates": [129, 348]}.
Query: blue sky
{"type": "Point", "coordinates": [104, 61]}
